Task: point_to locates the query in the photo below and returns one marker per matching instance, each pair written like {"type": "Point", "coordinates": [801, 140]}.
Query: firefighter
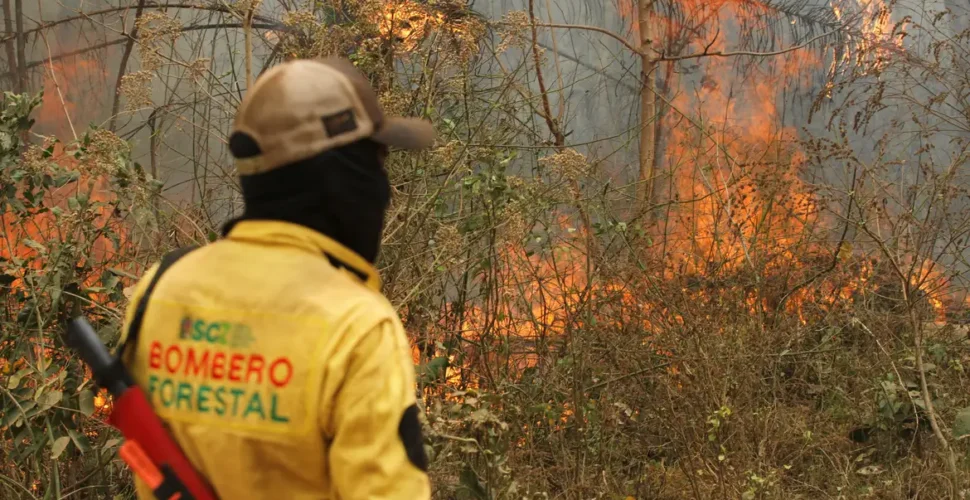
{"type": "Point", "coordinates": [271, 354]}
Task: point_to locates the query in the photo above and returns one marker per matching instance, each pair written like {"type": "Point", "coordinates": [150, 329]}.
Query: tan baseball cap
{"type": "Point", "coordinates": [304, 107]}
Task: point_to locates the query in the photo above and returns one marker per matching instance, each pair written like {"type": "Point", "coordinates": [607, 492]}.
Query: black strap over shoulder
{"type": "Point", "coordinates": [134, 329]}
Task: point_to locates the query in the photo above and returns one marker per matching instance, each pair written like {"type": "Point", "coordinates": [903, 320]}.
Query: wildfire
{"type": "Point", "coordinates": [741, 202]}
{"type": "Point", "coordinates": [739, 208]}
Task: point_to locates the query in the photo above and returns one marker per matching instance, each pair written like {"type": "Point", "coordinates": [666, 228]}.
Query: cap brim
{"type": "Point", "coordinates": [406, 133]}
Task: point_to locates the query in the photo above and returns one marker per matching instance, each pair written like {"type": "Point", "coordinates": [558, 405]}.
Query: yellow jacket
{"type": "Point", "coordinates": [280, 375]}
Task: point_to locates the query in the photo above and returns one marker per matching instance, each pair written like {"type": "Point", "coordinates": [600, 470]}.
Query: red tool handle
{"type": "Point", "coordinates": [133, 416]}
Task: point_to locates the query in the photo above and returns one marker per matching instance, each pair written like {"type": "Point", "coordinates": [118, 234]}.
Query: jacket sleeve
{"type": "Point", "coordinates": [377, 451]}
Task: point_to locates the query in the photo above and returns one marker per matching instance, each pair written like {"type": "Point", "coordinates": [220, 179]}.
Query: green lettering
{"type": "Point", "coordinates": [167, 400]}
{"type": "Point", "coordinates": [272, 412]}
{"type": "Point", "coordinates": [184, 393]}
{"type": "Point", "coordinates": [152, 381]}
{"type": "Point", "coordinates": [202, 398]}
{"type": "Point", "coordinates": [198, 334]}
{"type": "Point", "coordinates": [209, 336]}
{"type": "Point", "coordinates": [235, 400]}
{"type": "Point", "coordinates": [255, 406]}
{"type": "Point", "coordinates": [221, 409]}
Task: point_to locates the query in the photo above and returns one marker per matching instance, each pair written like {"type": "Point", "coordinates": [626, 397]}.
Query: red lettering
{"type": "Point", "coordinates": [255, 368]}
{"type": "Point", "coordinates": [219, 365]}
{"type": "Point", "coordinates": [194, 365]}
{"type": "Point", "coordinates": [171, 366]}
{"type": "Point", "coordinates": [235, 365]}
{"type": "Point", "coordinates": [155, 355]}
{"type": "Point", "coordinates": [280, 381]}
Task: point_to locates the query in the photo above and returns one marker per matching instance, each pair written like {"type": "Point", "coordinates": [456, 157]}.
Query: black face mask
{"type": "Point", "coordinates": [342, 193]}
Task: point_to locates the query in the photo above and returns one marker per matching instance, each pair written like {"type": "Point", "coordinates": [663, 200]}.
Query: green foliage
{"type": "Point", "coordinates": [14, 120]}
{"type": "Point", "coordinates": [60, 239]}
{"type": "Point", "coordinates": [961, 425]}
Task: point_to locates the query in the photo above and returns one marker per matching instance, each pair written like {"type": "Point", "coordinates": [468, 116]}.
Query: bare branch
{"type": "Point", "coordinates": [88, 15]}
{"type": "Point", "coordinates": [706, 53]}
{"type": "Point", "coordinates": [65, 55]}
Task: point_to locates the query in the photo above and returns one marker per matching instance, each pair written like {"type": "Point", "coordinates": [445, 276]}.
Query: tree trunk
{"type": "Point", "coordinates": [21, 78]}
{"type": "Point", "coordinates": [8, 29]}
{"type": "Point", "coordinates": [648, 108]}
{"type": "Point", "coordinates": [115, 104]}
{"type": "Point", "coordinates": [154, 128]}
{"type": "Point", "coordinates": [248, 32]}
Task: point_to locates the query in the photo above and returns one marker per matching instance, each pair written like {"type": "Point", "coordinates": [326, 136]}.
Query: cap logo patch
{"type": "Point", "coordinates": [340, 123]}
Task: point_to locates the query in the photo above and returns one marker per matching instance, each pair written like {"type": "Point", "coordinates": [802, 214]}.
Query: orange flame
{"type": "Point", "coordinates": [739, 204]}
{"type": "Point", "coordinates": [408, 22]}
{"type": "Point", "coordinates": [71, 87]}
{"type": "Point", "coordinates": [26, 237]}
{"type": "Point", "coordinates": [876, 43]}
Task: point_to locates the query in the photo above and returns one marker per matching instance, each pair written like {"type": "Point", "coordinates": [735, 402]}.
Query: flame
{"type": "Point", "coordinates": [934, 285]}
{"type": "Point", "coordinates": [741, 202]}
{"type": "Point", "coordinates": [739, 208]}
{"type": "Point", "coordinates": [78, 82]}
{"type": "Point", "coordinates": [407, 22]}
{"type": "Point", "coordinates": [871, 49]}
{"type": "Point", "coordinates": [27, 238]}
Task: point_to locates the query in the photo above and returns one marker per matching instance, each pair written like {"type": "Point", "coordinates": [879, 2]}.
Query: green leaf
{"type": "Point", "coordinates": [49, 399]}
{"type": "Point", "coordinates": [15, 379]}
{"type": "Point", "coordinates": [16, 205]}
{"type": "Point", "coordinates": [110, 282]}
{"type": "Point", "coordinates": [80, 440]}
{"type": "Point", "coordinates": [62, 179]}
{"type": "Point", "coordinates": [961, 427]}
{"type": "Point", "coordinates": [14, 413]}
{"type": "Point", "coordinates": [469, 480]}
{"type": "Point", "coordinates": [434, 368]}
{"type": "Point", "coordinates": [36, 246]}
{"type": "Point", "coordinates": [60, 444]}
{"type": "Point", "coordinates": [85, 402]}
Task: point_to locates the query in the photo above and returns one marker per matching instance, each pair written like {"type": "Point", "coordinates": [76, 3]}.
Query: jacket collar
{"type": "Point", "coordinates": [278, 232]}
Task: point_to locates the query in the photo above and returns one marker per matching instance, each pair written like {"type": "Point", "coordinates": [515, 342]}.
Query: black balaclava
{"type": "Point", "coordinates": [342, 193]}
